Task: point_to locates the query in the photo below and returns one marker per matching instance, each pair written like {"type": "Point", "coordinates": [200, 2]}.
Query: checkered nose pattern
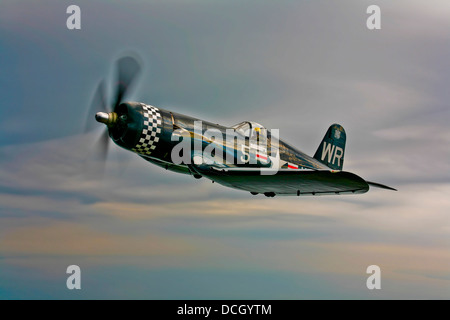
{"type": "Point", "coordinates": [150, 133]}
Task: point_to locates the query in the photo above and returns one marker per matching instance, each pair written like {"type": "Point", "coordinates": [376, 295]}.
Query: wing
{"type": "Point", "coordinates": [288, 182]}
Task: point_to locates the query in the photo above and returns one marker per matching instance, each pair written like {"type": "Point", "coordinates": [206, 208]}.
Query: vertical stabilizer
{"type": "Point", "coordinates": [331, 149]}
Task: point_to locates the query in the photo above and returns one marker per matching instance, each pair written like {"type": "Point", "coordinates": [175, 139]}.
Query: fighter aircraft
{"type": "Point", "coordinates": [254, 159]}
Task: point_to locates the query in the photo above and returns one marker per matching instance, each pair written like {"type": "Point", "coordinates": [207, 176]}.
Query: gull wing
{"type": "Point", "coordinates": [288, 182]}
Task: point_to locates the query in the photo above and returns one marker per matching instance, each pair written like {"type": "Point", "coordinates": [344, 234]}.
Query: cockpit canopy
{"type": "Point", "coordinates": [253, 131]}
{"type": "Point", "coordinates": [246, 128]}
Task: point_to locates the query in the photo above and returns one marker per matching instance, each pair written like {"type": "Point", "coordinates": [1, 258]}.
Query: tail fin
{"type": "Point", "coordinates": [331, 149]}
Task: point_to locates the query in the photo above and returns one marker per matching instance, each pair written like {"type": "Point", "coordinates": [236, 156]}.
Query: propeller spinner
{"type": "Point", "coordinates": [110, 118]}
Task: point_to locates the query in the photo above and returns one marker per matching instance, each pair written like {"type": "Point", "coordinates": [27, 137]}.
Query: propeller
{"type": "Point", "coordinates": [128, 68]}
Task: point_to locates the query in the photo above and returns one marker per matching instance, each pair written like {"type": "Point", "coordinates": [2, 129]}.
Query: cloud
{"type": "Point", "coordinates": [63, 238]}
{"type": "Point", "coordinates": [297, 67]}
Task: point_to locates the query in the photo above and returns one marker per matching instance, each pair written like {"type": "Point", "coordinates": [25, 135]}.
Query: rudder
{"type": "Point", "coordinates": [331, 149]}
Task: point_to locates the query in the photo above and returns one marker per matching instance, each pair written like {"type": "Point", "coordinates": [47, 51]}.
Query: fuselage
{"type": "Point", "coordinates": [155, 132]}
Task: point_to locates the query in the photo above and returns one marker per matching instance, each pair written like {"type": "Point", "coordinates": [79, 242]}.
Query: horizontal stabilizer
{"type": "Point", "coordinates": [379, 185]}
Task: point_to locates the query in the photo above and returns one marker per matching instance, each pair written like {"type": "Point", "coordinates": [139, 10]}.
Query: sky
{"type": "Point", "coordinates": [141, 232]}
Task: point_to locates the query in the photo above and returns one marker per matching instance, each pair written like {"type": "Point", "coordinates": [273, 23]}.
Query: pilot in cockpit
{"type": "Point", "coordinates": [259, 135]}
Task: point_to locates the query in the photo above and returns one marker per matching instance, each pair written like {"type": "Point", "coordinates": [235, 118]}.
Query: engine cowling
{"type": "Point", "coordinates": [138, 127]}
